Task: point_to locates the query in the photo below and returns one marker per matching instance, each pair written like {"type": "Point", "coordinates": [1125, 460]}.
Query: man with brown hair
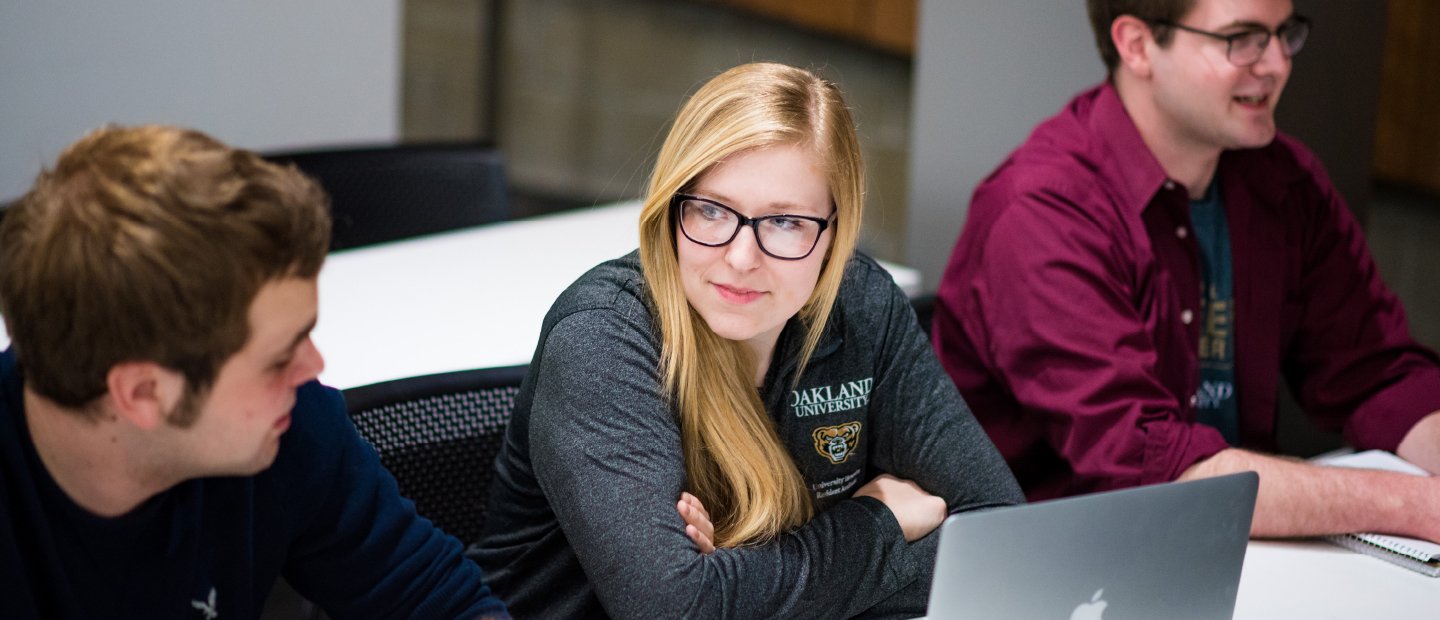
{"type": "Point", "coordinates": [1133, 280]}
{"type": "Point", "coordinates": [165, 450]}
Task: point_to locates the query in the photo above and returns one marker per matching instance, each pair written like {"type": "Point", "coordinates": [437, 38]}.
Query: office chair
{"type": "Point", "coordinates": [924, 305]}
{"type": "Point", "coordinates": [381, 194]}
{"type": "Point", "coordinates": [438, 435]}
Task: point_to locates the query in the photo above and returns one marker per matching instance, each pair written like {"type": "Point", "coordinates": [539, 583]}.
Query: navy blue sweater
{"type": "Point", "coordinates": [326, 516]}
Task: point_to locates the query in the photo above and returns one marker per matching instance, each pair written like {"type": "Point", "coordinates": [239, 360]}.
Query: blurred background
{"type": "Point", "coordinates": [577, 95]}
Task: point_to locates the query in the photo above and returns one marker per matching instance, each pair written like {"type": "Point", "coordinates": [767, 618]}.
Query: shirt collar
{"type": "Point", "coordinates": [1125, 152]}
{"type": "Point", "coordinates": [1140, 175]}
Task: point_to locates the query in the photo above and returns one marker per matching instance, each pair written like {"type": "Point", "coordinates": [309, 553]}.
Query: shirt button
{"type": "Point", "coordinates": [1186, 316]}
{"type": "Point", "coordinates": [1169, 185]}
{"type": "Point", "coordinates": [1194, 400]}
{"type": "Point", "coordinates": [1181, 232]}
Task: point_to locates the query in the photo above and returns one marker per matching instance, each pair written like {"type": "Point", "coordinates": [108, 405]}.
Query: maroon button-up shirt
{"type": "Point", "coordinates": [1069, 315]}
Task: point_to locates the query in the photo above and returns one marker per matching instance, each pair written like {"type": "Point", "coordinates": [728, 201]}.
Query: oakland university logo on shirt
{"type": "Point", "coordinates": [837, 443]}
{"type": "Point", "coordinates": [831, 398]}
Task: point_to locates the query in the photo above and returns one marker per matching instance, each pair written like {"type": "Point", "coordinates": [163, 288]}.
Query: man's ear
{"type": "Point", "coordinates": [143, 393]}
{"type": "Point", "coordinates": [1134, 40]}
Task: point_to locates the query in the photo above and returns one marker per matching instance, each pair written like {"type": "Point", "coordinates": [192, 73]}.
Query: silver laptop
{"type": "Point", "coordinates": [1168, 551]}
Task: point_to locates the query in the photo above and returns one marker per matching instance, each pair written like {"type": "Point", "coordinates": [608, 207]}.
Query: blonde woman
{"type": "Point", "coordinates": [743, 418]}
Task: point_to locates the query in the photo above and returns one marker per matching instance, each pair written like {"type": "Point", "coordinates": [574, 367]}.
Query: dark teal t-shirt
{"type": "Point", "coordinates": [1215, 400]}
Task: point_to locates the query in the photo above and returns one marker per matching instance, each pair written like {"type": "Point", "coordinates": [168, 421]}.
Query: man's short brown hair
{"type": "Point", "coordinates": [149, 244]}
{"type": "Point", "coordinates": [1104, 12]}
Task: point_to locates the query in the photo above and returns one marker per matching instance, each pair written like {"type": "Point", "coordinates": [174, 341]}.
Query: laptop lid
{"type": "Point", "coordinates": [1163, 551]}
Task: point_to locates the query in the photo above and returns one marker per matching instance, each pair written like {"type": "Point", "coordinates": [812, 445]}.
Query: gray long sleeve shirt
{"type": "Point", "coordinates": [582, 519]}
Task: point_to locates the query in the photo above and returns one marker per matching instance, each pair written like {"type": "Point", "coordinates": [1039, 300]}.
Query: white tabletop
{"type": "Point", "coordinates": [467, 299]}
{"type": "Point", "coordinates": [1316, 580]}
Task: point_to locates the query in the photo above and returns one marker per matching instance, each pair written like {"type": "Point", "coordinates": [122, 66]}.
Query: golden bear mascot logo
{"type": "Point", "coordinates": [837, 443]}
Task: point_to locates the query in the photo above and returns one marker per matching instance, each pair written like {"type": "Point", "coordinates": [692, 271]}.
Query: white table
{"type": "Point", "coordinates": [1316, 580]}
{"type": "Point", "coordinates": [472, 298]}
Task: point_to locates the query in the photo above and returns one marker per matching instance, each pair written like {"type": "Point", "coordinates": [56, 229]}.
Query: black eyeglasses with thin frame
{"type": "Point", "coordinates": [1245, 48]}
{"type": "Point", "coordinates": [713, 224]}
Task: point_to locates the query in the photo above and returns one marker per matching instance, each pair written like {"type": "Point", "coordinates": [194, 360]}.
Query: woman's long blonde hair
{"type": "Point", "coordinates": [734, 461]}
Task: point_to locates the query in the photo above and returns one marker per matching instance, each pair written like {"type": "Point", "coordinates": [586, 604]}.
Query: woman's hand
{"type": "Point", "coordinates": [697, 522]}
{"type": "Point", "coordinates": [918, 512]}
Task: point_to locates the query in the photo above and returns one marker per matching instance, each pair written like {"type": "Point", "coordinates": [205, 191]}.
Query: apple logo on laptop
{"type": "Point", "coordinates": [1094, 610]}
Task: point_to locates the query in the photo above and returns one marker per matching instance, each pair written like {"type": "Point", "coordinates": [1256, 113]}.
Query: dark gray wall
{"type": "Point", "coordinates": [1332, 100]}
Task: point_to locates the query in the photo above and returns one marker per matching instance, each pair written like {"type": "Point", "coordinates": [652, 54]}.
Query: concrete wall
{"type": "Point", "coordinates": [260, 74]}
{"type": "Point", "coordinates": [588, 89]}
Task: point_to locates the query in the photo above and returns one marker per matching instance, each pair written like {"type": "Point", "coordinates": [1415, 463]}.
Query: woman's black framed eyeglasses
{"type": "Point", "coordinates": [1245, 48]}
{"type": "Point", "coordinates": [713, 224]}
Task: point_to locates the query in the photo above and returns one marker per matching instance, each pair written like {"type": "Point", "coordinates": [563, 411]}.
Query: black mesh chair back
{"type": "Point", "coordinates": [387, 193]}
{"type": "Point", "coordinates": [924, 305]}
{"type": "Point", "coordinates": [439, 435]}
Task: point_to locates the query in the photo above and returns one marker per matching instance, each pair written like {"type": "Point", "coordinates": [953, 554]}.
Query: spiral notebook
{"type": "Point", "coordinates": [1421, 556]}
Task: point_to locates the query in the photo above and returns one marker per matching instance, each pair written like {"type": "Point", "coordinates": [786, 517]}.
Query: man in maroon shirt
{"type": "Point", "coordinates": [1134, 279]}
